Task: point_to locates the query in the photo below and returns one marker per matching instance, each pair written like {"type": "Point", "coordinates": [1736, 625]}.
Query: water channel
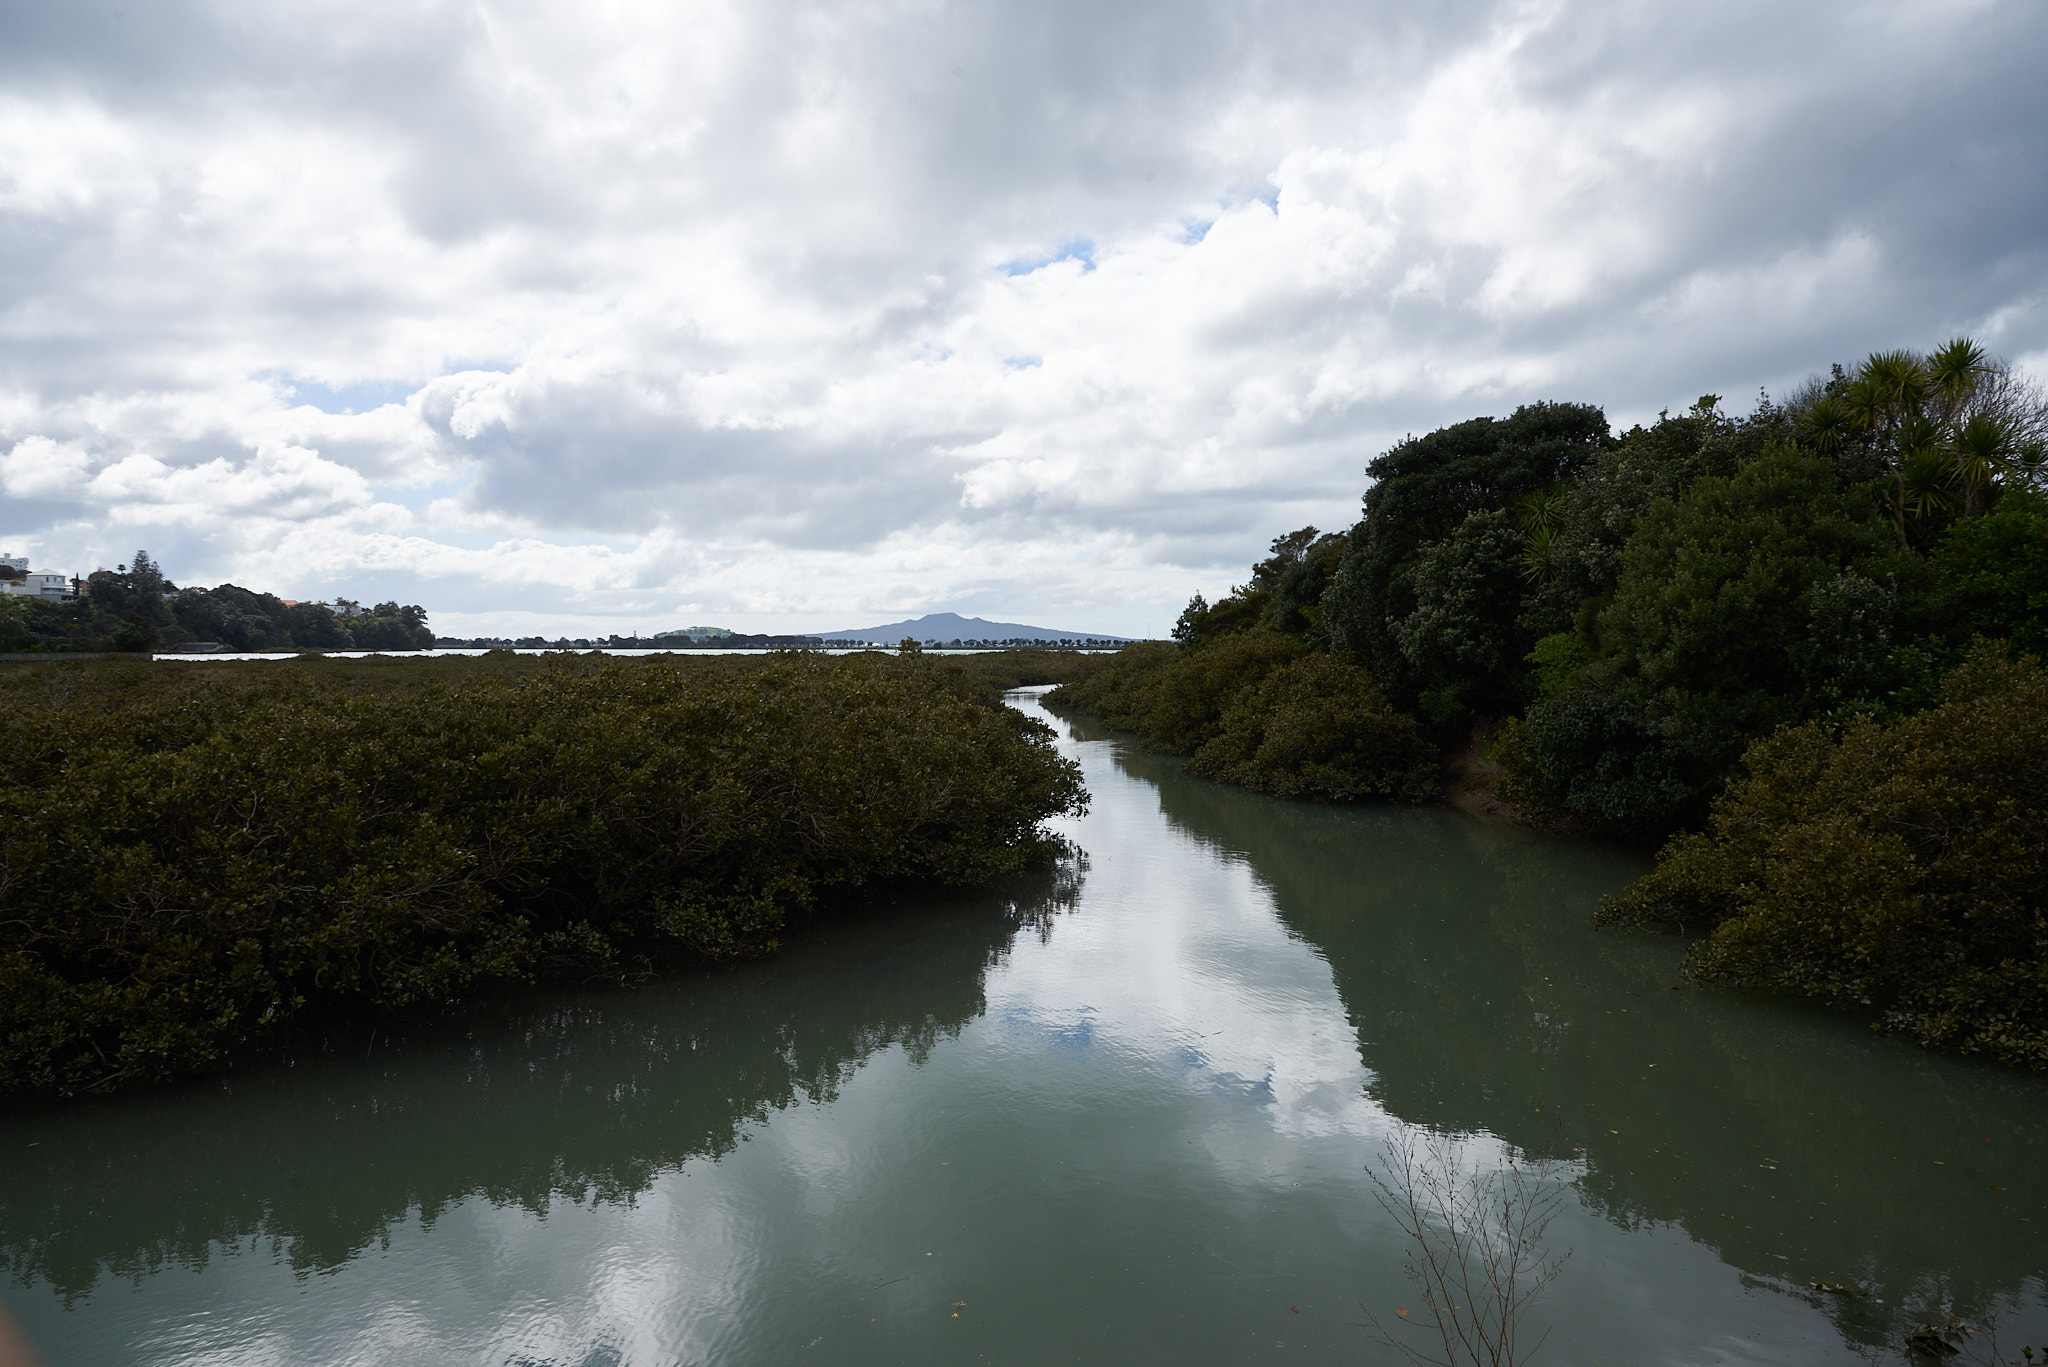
{"type": "Point", "coordinates": [1117, 1112]}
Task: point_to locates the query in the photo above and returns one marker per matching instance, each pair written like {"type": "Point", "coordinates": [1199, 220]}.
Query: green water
{"type": "Point", "coordinates": [1115, 1113]}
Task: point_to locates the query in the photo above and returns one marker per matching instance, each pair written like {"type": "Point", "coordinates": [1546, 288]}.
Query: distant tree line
{"type": "Point", "coordinates": [135, 608]}
{"type": "Point", "coordinates": [1630, 623]}
{"type": "Point", "coordinates": [734, 640]}
{"type": "Point", "coordinates": [664, 641]}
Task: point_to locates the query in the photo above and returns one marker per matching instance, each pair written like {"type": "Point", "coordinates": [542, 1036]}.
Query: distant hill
{"type": "Point", "coordinates": [937, 628]}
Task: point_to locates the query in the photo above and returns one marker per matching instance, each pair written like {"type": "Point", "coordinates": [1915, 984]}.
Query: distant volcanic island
{"type": "Point", "coordinates": [937, 630]}
{"type": "Point", "coordinates": [951, 629]}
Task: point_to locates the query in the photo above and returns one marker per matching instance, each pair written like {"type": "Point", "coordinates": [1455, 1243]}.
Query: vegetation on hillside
{"type": "Point", "coordinates": [193, 859]}
{"type": "Point", "coordinates": [135, 608]}
{"type": "Point", "coordinates": [1710, 613]}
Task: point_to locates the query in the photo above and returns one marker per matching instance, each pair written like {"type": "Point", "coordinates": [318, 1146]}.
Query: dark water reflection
{"type": "Point", "coordinates": [582, 1097]}
{"type": "Point", "coordinates": [1794, 1143]}
{"type": "Point", "coordinates": [1117, 1112]}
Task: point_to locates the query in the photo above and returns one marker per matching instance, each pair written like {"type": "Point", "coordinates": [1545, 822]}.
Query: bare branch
{"type": "Point", "coordinates": [1477, 1252]}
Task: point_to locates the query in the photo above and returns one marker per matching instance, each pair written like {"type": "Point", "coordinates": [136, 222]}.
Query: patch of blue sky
{"type": "Point", "coordinates": [1239, 194]}
{"type": "Point", "coordinates": [1193, 230]}
{"type": "Point", "coordinates": [1022, 362]}
{"type": "Point", "coordinates": [418, 496]}
{"type": "Point", "coordinates": [1081, 249]}
{"type": "Point", "coordinates": [362, 397]}
{"type": "Point", "coordinates": [1072, 1033]}
{"type": "Point", "coordinates": [1259, 1092]}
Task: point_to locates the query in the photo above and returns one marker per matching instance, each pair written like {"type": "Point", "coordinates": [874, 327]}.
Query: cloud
{"type": "Point", "coordinates": [801, 314]}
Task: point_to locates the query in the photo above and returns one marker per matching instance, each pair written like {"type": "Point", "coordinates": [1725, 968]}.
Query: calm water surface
{"type": "Point", "coordinates": [1116, 1113]}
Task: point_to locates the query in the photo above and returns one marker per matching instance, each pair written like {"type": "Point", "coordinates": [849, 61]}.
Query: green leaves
{"type": "Point", "coordinates": [1710, 625]}
{"type": "Point", "coordinates": [1897, 867]}
{"type": "Point", "coordinates": [187, 869]}
{"type": "Point", "coordinates": [1256, 709]}
{"type": "Point", "coordinates": [1994, 572]}
{"type": "Point", "coordinates": [1319, 727]}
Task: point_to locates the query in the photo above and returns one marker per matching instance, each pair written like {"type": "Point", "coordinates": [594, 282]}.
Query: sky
{"type": "Point", "coordinates": [594, 318]}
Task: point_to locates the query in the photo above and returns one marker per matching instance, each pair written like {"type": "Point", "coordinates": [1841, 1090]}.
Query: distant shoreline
{"type": "Point", "coordinates": [624, 652]}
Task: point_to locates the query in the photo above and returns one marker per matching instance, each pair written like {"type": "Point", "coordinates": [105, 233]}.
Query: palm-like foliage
{"type": "Point", "coordinates": [1901, 380]}
{"type": "Point", "coordinates": [1827, 423]}
{"type": "Point", "coordinates": [1943, 448]}
{"type": "Point", "coordinates": [1540, 515]}
{"type": "Point", "coordinates": [1885, 396]}
{"type": "Point", "coordinates": [1927, 483]}
{"type": "Point", "coordinates": [1538, 563]}
{"type": "Point", "coordinates": [1955, 371]}
{"type": "Point", "coordinates": [1864, 403]}
{"type": "Point", "coordinates": [1541, 509]}
{"type": "Point", "coordinates": [1981, 450]}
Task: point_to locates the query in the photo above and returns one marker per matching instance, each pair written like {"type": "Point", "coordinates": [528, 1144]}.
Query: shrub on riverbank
{"type": "Point", "coordinates": [1900, 865]}
{"type": "Point", "coordinates": [1256, 708]}
{"type": "Point", "coordinates": [1176, 699]}
{"type": "Point", "coordinates": [189, 863]}
{"type": "Point", "coordinates": [1319, 727]}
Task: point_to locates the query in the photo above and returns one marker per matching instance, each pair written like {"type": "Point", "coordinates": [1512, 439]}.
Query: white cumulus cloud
{"type": "Point", "coordinates": [581, 318]}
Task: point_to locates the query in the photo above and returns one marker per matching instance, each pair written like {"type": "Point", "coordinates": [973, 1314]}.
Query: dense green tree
{"type": "Point", "coordinates": [235, 616]}
{"type": "Point", "coordinates": [247, 620]}
{"type": "Point", "coordinates": [1461, 639]}
{"type": "Point", "coordinates": [1994, 572]}
{"type": "Point", "coordinates": [1737, 601]}
{"type": "Point", "coordinates": [1422, 489]}
{"type": "Point", "coordinates": [1297, 575]}
{"type": "Point", "coordinates": [1593, 517]}
{"type": "Point", "coordinates": [1243, 608]}
{"type": "Point", "coordinates": [129, 605]}
{"type": "Point", "coordinates": [391, 627]}
{"type": "Point", "coordinates": [1282, 593]}
{"type": "Point", "coordinates": [1585, 752]}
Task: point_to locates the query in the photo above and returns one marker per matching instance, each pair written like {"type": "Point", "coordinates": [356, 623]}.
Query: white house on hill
{"type": "Point", "coordinates": [37, 583]}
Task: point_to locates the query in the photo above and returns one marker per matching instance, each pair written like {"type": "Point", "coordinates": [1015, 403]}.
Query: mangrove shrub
{"type": "Point", "coordinates": [188, 867]}
{"type": "Point", "coordinates": [1256, 708]}
{"type": "Point", "coordinates": [1900, 866]}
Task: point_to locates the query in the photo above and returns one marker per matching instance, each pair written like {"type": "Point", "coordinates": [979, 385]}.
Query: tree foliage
{"type": "Point", "coordinates": [136, 608]}
{"type": "Point", "coordinates": [1176, 698]}
{"type": "Point", "coordinates": [1994, 572]}
{"type": "Point", "coordinates": [1285, 593]}
{"type": "Point", "coordinates": [1422, 490]}
{"type": "Point", "coordinates": [1699, 607]}
{"type": "Point", "coordinates": [1755, 599]}
{"type": "Point", "coordinates": [1592, 517]}
{"type": "Point", "coordinates": [1462, 638]}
